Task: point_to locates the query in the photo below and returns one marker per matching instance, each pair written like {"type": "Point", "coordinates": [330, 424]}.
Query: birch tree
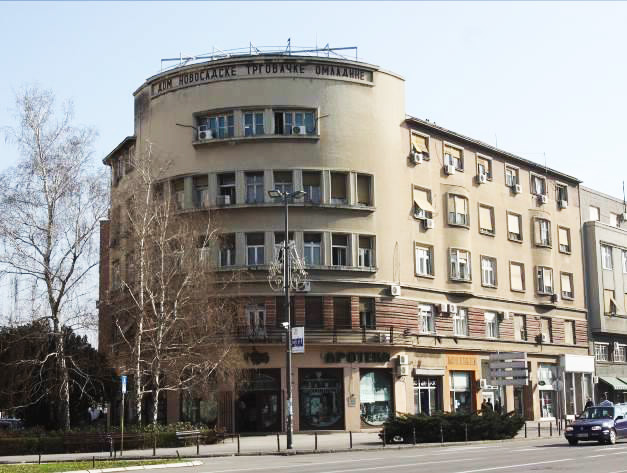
{"type": "Point", "coordinates": [51, 204]}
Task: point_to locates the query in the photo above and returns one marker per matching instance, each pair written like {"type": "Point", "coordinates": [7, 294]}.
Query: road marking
{"type": "Point", "coordinates": [292, 465]}
{"type": "Point", "coordinates": [594, 456]}
{"type": "Point", "coordinates": [402, 465]}
{"type": "Point", "coordinates": [534, 449]}
{"type": "Point", "coordinates": [516, 466]}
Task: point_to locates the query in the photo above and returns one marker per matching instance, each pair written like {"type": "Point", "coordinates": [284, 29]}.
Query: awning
{"type": "Point", "coordinates": [419, 143]}
{"type": "Point", "coordinates": [421, 199]}
{"type": "Point", "coordinates": [616, 383]}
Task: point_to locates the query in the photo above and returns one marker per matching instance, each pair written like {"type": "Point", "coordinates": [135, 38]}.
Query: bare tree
{"type": "Point", "coordinates": [178, 324]}
{"type": "Point", "coordinates": [51, 203]}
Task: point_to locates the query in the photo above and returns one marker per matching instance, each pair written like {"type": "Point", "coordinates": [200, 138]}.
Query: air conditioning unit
{"type": "Point", "coordinates": [623, 217]}
{"type": "Point", "coordinates": [403, 360]}
{"type": "Point", "coordinates": [420, 214]}
{"type": "Point", "coordinates": [554, 298]}
{"type": "Point", "coordinates": [483, 383]}
{"type": "Point", "coordinates": [595, 380]}
{"type": "Point", "coordinates": [517, 188]}
{"type": "Point", "coordinates": [205, 133]}
{"type": "Point", "coordinates": [299, 130]}
{"type": "Point", "coordinates": [429, 223]}
{"type": "Point", "coordinates": [224, 200]}
{"type": "Point", "coordinates": [507, 315]}
{"type": "Point", "coordinates": [416, 157]}
{"type": "Point", "coordinates": [404, 370]}
{"type": "Point", "coordinates": [452, 308]}
{"type": "Point", "coordinates": [546, 338]}
{"type": "Point", "coordinates": [563, 204]}
{"type": "Point", "coordinates": [482, 178]}
{"type": "Point", "coordinates": [395, 290]}
{"type": "Point", "coordinates": [543, 199]}
{"type": "Point", "coordinates": [449, 169]}
{"type": "Point", "coordinates": [443, 308]}
{"type": "Point", "coordinates": [304, 287]}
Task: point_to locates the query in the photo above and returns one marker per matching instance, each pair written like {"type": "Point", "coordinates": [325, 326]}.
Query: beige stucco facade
{"type": "Point", "coordinates": [362, 137]}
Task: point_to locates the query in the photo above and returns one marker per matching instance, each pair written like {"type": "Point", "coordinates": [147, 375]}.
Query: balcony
{"type": "Point", "coordinates": [383, 336]}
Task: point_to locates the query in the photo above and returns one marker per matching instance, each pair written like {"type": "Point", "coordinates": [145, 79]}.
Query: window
{"type": "Point", "coordinates": [488, 271]}
{"type": "Point", "coordinates": [545, 280]}
{"type": "Point", "coordinates": [221, 126]}
{"type": "Point", "coordinates": [256, 320]}
{"type": "Point", "coordinates": [313, 254]}
{"type": "Point", "coordinates": [342, 312]}
{"type": "Point", "coordinates": [453, 156]}
{"type": "Point", "coordinates": [460, 323]}
{"type": "Point", "coordinates": [595, 214]}
{"type": "Point", "coordinates": [424, 260]}
{"type": "Point", "coordinates": [517, 276]}
{"type": "Point", "coordinates": [283, 181]}
{"type": "Point", "coordinates": [484, 167]}
{"type": "Point", "coordinates": [227, 250]}
{"type": "Point", "coordinates": [457, 210]}
{"type": "Point", "coordinates": [254, 249]}
{"type": "Point", "coordinates": [567, 285]}
{"type": "Point", "coordinates": [486, 219]}
{"type": "Point", "coordinates": [364, 191]}
{"type": "Point", "coordinates": [543, 232]}
{"type": "Point", "coordinates": [366, 313]}
{"type": "Point", "coordinates": [563, 237]}
{"type": "Point", "coordinates": [253, 123]}
{"type": "Point", "coordinates": [116, 280]}
{"type": "Point", "coordinates": [601, 352]}
{"type": "Point", "coordinates": [254, 188]}
{"type": "Point", "coordinates": [614, 219]}
{"type": "Point", "coordinates": [311, 186]}
{"type": "Point", "coordinates": [511, 176]}
{"type": "Point", "coordinates": [422, 203]}
{"type": "Point", "coordinates": [201, 192]}
{"type": "Point", "coordinates": [609, 303]}
{"type": "Point", "coordinates": [461, 395]}
{"type": "Point", "coordinates": [606, 257]}
{"type": "Point", "coordinates": [569, 332]}
{"type": "Point", "coordinates": [514, 227]}
{"type": "Point", "coordinates": [366, 251]}
{"type": "Point", "coordinates": [226, 189]}
{"type": "Point", "coordinates": [294, 123]}
{"type": "Point", "coordinates": [339, 250]}
{"type": "Point", "coordinates": [538, 185]}
{"type": "Point", "coordinates": [425, 313]}
{"type": "Point", "coordinates": [427, 394]}
{"type": "Point", "coordinates": [618, 353]}
{"type": "Point", "coordinates": [561, 193]}
{"type": "Point", "coordinates": [491, 325]}
{"type": "Point", "coordinates": [520, 327]}
{"type": "Point", "coordinates": [420, 145]}
{"type": "Point", "coordinates": [460, 264]}
{"type": "Point", "coordinates": [545, 330]}
{"type": "Point", "coordinates": [313, 312]}
{"type": "Point", "coordinates": [338, 188]}
{"type": "Point", "coordinates": [178, 193]}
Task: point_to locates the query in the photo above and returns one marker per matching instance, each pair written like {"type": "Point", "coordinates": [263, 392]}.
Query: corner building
{"type": "Point", "coordinates": [426, 250]}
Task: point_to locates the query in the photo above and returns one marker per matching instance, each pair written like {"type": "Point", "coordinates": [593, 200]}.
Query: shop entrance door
{"type": "Point", "coordinates": [258, 402]}
{"type": "Point", "coordinates": [519, 403]}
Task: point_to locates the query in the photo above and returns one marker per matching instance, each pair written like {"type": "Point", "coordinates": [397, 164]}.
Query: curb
{"type": "Point", "coordinates": [139, 467]}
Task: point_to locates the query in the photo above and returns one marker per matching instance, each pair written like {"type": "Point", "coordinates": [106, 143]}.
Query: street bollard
{"type": "Point", "coordinates": [350, 436]}
{"type": "Point", "coordinates": [39, 459]}
{"type": "Point", "coordinates": [414, 435]}
{"type": "Point", "coordinates": [538, 429]}
{"type": "Point", "coordinates": [238, 444]}
{"type": "Point", "coordinates": [93, 462]}
{"type": "Point", "coordinates": [441, 434]}
{"type": "Point", "coordinates": [278, 443]}
{"type": "Point", "coordinates": [525, 429]}
{"type": "Point", "coordinates": [551, 429]}
{"type": "Point", "coordinates": [154, 444]}
{"type": "Point", "coordinates": [383, 437]}
{"type": "Point", "coordinates": [316, 440]}
{"type": "Point", "coordinates": [197, 444]}
{"type": "Point", "coordinates": [466, 431]}
{"type": "Point", "coordinates": [110, 446]}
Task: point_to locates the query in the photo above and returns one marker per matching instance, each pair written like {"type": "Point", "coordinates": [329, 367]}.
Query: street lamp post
{"type": "Point", "coordinates": [285, 197]}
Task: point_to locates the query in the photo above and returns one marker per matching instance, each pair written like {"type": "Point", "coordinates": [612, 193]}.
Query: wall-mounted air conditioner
{"type": "Point", "coordinates": [449, 169]}
{"type": "Point", "coordinates": [452, 308]}
{"type": "Point", "coordinates": [517, 188]}
{"type": "Point", "coordinates": [482, 178]}
{"type": "Point", "coordinates": [483, 383]}
{"type": "Point", "coordinates": [403, 360]}
{"type": "Point", "coordinates": [404, 370]}
{"type": "Point", "coordinates": [299, 130]}
{"type": "Point", "coordinates": [420, 214]}
{"type": "Point", "coordinates": [304, 287]}
{"type": "Point", "coordinates": [224, 200]}
{"type": "Point", "coordinates": [204, 133]}
{"type": "Point", "coordinates": [543, 199]}
{"type": "Point", "coordinates": [395, 290]}
{"type": "Point", "coordinates": [416, 157]}
{"type": "Point", "coordinates": [563, 204]}
{"type": "Point", "coordinates": [546, 338]}
{"type": "Point", "coordinates": [429, 223]}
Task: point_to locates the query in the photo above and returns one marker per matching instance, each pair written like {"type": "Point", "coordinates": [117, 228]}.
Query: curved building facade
{"type": "Point", "coordinates": [426, 250]}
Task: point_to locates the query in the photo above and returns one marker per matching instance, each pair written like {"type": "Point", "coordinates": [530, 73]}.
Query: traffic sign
{"type": "Point", "coordinates": [123, 381]}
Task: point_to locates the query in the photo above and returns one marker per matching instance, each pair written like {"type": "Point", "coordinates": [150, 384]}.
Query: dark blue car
{"type": "Point", "coordinates": [605, 423]}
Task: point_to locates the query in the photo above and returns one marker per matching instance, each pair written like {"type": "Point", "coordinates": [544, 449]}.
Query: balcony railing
{"type": "Point", "coordinates": [336, 335]}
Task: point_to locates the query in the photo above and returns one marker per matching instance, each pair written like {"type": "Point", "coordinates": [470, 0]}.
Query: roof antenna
{"type": "Point", "coordinates": [624, 203]}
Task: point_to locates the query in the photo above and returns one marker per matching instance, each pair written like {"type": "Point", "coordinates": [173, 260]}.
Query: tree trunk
{"type": "Point", "coordinates": [64, 388]}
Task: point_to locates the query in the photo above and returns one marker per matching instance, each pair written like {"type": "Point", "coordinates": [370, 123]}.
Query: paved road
{"type": "Point", "coordinates": [513, 456]}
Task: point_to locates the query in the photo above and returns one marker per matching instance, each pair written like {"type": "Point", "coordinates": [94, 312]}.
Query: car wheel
{"type": "Point", "coordinates": [573, 442]}
{"type": "Point", "coordinates": [612, 438]}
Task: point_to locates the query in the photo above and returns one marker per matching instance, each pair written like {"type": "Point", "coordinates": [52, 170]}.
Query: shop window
{"type": "Point", "coordinates": [427, 394]}
{"type": "Point", "coordinates": [283, 181]}
{"type": "Point", "coordinates": [595, 214]}
{"type": "Point", "coordinates": [364, 190]}
{"type": "Point", "coordinates": [253, 123]}
{"type": "Point", "coordinates": [255, 249]}
{"type": "Point", "coordinates": [486, 219]}
{"type": "Point", "coordinates": [375, 396]}
{"type": "Point", "coordinates": [311, 187]}
{"type": "Point", "coordinates": [342, 312]}
{"type": "Point", "coordinates": [178, 193]}
{"type": "Point", "coordinates": [538, 185]}
{"type": "Point", "coordinates": [454, 156]}
{"type": "Point", "coordinates": [294, 122]}
{"type": "Point", "coordinates": [366, 251]}
{"type": "Point", "coordinates": [459, 265]}
{"type": "Point", "coordinates": [424, 260]}
{"type": "Point", "coordinates": [201, 192]}
{"type": "Point", "coordinates": [197, 410]}
{"type": "Point", "coordinates": [366, 313]}
{"type": "Point", "coordinates": [517, 276]}
{"type": "Point", "coordinates": [458, 210]}
{"type": "Point", "coordinates": [226, 189]}
{"type": "Point", "coordinates": [511, 176]}
{"type": "Point", "coordinates": [542, 228]}
{"type": "Point", "coordinates": [219, 126]}
{"type": "Point", "coordinates": [569, 332]}
{"type": "Point", "coordinates": [425, 315]}
{"type": "Point", "coordinates": [313, 312]}
{"type": "Point", "coordinates": [461, 397]}
{"type": "Point", "coordinates": [567, 285]}
{"type": "Point", "coordinates": [339, 195]}
{"type": "Point", "coordinates": [491, 325]}
{"type": "Point", "coordinates": [254, 188]}
{"type": "Point", "coordinates": [606, 257]}
{"type": "Point", "coordinates": [460, 323]}
{"type": "Point", "coordinates": [488, 271]}
{"type": "Point", "coordinates": [514, 227]}
{"type": "Point", "coordinates": [312, 248]}
{"type": "Point", "coordinates": [339, 250]}
{"type": "Point", "coordinates": [563, 237]}
{"type": "Point", "coordinates": [547, 384]}
{"type": "Point", "coordinates": [520, 327]}
{"type": "Point", "coordinates": [321, 398]}
{"type": "Point", "coordinates": [422, 203]}
{"type": "Point", "coordinates": [227, 250]}
{"type": "Point", "coordinates": [544, 277]}
{"type": "Point", "coordinates": [601, 352]}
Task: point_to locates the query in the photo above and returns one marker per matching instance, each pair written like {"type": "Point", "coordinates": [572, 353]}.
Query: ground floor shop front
{"type": "Point", "coordinates": [359, 389]}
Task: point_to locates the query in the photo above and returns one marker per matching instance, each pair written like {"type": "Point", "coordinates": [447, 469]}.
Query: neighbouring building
{"type": "Point", "coordinates": [605, 251]}
{"type": "Point", "coordinates": [426, 250]}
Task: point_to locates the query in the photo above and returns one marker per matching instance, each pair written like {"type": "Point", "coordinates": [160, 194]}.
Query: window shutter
{"type": "Point", "coordinates": [338, 186]}
{"type": "Point", "coordinates": [513, 224]}
{"type": "Point", "coordinates": [455, 152]}
{"type": "Point", "coordinates": [421, 199]}
{"type": "Point", "coordinates": [460, 205]}
{"type": "Point", "coordinates": [563, 236]}
{"type": "Point", "coordinates": [516, 277]}
{"type": "Point", "coordinates": [547, 275]}
{"type": "Point", "coordinates": [485, 218]}
{"type": "Point", "coordinates": [419, 143]}
{"type": "Point", "coordinates": [566, 287]}
{"type": "Point", "coordinates": [536, 226]}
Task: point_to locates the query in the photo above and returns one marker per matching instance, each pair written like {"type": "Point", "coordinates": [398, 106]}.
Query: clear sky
{"type": "Point", "coordinates": [540, 79]}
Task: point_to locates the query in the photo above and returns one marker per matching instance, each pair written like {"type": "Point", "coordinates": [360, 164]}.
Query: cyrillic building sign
{"type": "Point", "coordinates": [356, 357]}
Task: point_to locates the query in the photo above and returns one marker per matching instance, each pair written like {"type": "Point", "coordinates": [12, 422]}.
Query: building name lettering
{"type": "Point", "coordinates": [356, 357]}
{"type": "Point", "coordinates": [253, 69]}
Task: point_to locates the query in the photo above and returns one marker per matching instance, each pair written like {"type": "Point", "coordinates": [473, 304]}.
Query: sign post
{"type": "Point", "coordinates": [509, 369]}
{"type": "Point", "coordinates": [298, 339]}
{"type": "Point", "coordinates": [123, 385]}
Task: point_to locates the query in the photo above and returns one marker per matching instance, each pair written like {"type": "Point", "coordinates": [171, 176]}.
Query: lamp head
{"type": "Point", "coordinates": [275, 194]}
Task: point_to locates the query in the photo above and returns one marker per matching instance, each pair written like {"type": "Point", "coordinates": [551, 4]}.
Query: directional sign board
{"type": "Point", "coordinates": [508, 369]}
{"type": "Point", "coordinates": [123, 383]}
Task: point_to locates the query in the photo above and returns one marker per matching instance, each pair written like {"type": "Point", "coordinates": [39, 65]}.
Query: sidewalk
{"type": "Point", "coordinates": [267, 445]}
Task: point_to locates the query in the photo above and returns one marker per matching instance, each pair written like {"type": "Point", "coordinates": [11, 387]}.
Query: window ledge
{"type": "Point", "coordinates": [460, 225]}
{"type": "Point", "coordinates": [489, 286]}
{"type": "Point", "coordinates": [428, 276]}
{"type": "Point", "coordinates": [565, 252]}
{"type": "Point", "coordinates": [245, 139]}
{"type": "Point", "coordinates": [487, 233]}
{"type": "Point", "coordinates": [540, 245]}
{"type": "Point", "coordinates": [460, 280]}
{"type": "Point", "coordinates": [515, 241]}
{"type": "Point", "coordinates": [518, 290]}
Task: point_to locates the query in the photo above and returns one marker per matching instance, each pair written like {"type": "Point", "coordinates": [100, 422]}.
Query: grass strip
{"type": "Point", "coordinates": [79, 465]}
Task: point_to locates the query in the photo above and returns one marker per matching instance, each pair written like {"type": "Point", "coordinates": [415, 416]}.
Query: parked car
{"type": "Point", "coordinates": [9, 423]}
{"type": "Point", "coordinates": [605, 423]}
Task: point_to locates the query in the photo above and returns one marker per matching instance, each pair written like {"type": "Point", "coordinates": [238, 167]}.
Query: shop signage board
{"type": "Point", "coordinates": [508, 369]}
{"type": "Point", "coordinates": [298, 339]}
